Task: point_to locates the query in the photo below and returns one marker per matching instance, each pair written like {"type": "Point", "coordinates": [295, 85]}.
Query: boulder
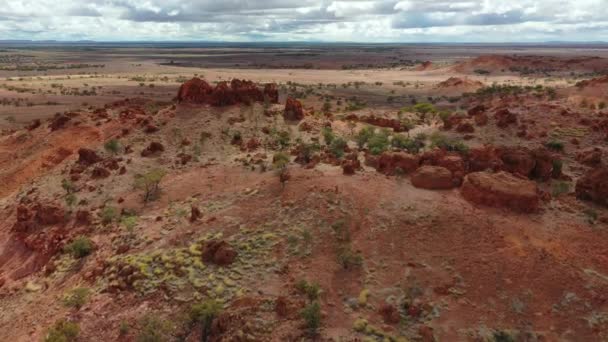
{"type": "Point", "coordinates": [391, 163]}
{"type": "Point", "coordinates": [87, 157]}
{"type": "Point", "coordinates": [517, 160]}
{"type": "Point", "coordinates": [590, 157]}
{"type": "Point", "coordinates": [152, 149]}
{"type": "Point", "coordinates": [100, 173]}
{"type": "Point", "coordinates": [218, 252]}
{"type": "Point", "coordinates": [59, 122]}
{"type": "Point", "coordinates": [501, 189]}
{"type": "Point", "coordinates": [504, 118]}
{"type": "Point", "coordinates": [194, 90]}
{"type": "Point", "coordinates": [593, 186]}
{"type": "Point", "coordinates": [271, 92]}
{"type": "Point", "coordinates": [433, 178]}
{"type": "Point", "coordinates": [293, 110]}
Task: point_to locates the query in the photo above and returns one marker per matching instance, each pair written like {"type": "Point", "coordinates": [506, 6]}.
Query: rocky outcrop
{"type": "Point", "coordinates": [433, 178]}
{"type": "Point", "coordinates": [59, 121]}
{"type": "Point", "coordinates": [590, 157]}
{"type": "Point", "coordinates": [218, 252]}
{"type": "Point", "coordinates": [505, 117]}
{"type": "Point", "coordinates": [88, 157]}
{"type": "Point", "coordinates": [392, 163]}
{"type": "Point", "coordinates": [37, 215]}
{"type": "Point", "coordinates": [593, 186]}
{"type": "Point", "coordinates": [153, 149]}
{"type": "Point", "coordinates": [293, 110]}
{"type": "Point", "coordinates": [226, 94]}
{"type": "Point", "coordinates": [501, 189]}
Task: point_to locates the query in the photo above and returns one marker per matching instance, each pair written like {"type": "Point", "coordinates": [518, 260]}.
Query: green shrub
{"type": "Point", "coordinates": [80, 247]}
{"type": "Point", "coordinates": [282, 139]}
{"type": "Point", "coordinates": [280, 160]}
{"type": "Point", "coordinates": [204, 314]}
{"type": "Point", "coordinates": [448, 144]}
{"type": "Point", "coordinates": [555, 145]}
{"type": "Point", "coordinates": [328, 135]}
{"type": "Point", "coordinates": [312, 317]}
{"type": "Point", "coordinates": [364, 135]}
{"type": "Point", "coordinates": [63, 331]}
{"type": "Point", "coordinates": [108, 215]}
{"type": "Point", "coordinates": [378, 143]}
{"type": "Point", "coordinates": [150, 183]}
{"type": "Point", "coordinates": [347, 258]}
{"type": "Point", "coordinates": [113, 146]}
{"type": "Point", "coordinates": [153, 329]}
{"type": "Point", "coordinates": [337, 147]}
{"type": "Point", "coordinates": [77, 297]}
{"type": "Point", "coordinates": [311, 290]}
{"type": "Point", "coordinates": [560, 188]}
{"type": "Point", "coordinates": [411, 145]}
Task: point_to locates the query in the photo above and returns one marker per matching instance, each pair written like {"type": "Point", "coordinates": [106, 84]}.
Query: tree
{"type": "Point", "coordinates": [150, 183]}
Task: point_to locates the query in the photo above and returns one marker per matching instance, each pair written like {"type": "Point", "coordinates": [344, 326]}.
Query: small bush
{"type": "Point", "coordinates": [337, 147]}
{"type": "Point", "coordinates": [453, 145]}
{"type": "Point", "coordinates": [560, 188]}
{"type": "Point", "coordinates": [378, 143]}
{"type": "Point", "coordinates": [328, 135]}
{"type": "Point", "coordinates": [150, 183]}
{"type": "Point", "coordinates": [113, 146]}
{"type": "Point", "coordinates": [204, 314]}
{"type": "Point", "coordinates": [153, 329]}
{"type": "Point", "coordinates": [280, 160]}
{"type": "Point", "coordinates": [349, 259]}
{"type": "Point", "coordinates": [108, 215]}
{"type": "Point", "coordinates": [411, 145]}
{"type": "Point", "coordinates": [63, 331]}
{"type": "Point", "coordinates": [555, 145]}
{"type": "Point", "coordinates": [77, 297]}
{"type": "Point", "coordinates": [312, 290]}
{"type": "Point", "coordinates": [364, 135]}
{"type": "Point", "coordinates": [312, 317]}
{"type": "Point", "coordinates": [80, 247]}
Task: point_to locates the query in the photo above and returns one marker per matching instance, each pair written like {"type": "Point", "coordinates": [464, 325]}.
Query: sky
{"type": "Point", "coordinates": [306, 20]}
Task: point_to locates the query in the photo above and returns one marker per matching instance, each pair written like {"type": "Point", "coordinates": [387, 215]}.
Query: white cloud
{"type": "Point", "coordinates": [341, 20]}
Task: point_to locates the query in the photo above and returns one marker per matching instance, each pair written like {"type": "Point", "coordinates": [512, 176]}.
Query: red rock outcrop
{"type": "Point", "coordinates": [433, 178]}
{"type": "Point", "coordinates": [590, 157]}
{"type": "Point", "coordinates": [152, 149]}
{"type": "Point", "coordinates": [501, 189]}
{"type": "Point", "coordinates": [593, 186]}
{"type": "Point", "coordinates": [293, 110]}
{"type": "Point", "coordinates": [59, 122]}
{"type": "Point", "coordinates": [88, 157]}
{"type": "Point", "coordinates": [391, 163]}
{"type": "Point", "coordinates": [225, 94]}
{"type": "Point", "coordinates": [218, 252]}
{"type": "Point", "coordinates": [505, 117]}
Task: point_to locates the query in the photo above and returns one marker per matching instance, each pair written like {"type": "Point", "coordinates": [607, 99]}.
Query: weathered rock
{"type": "Point", "coordinates": [517, 160]}
{"type": "Point", "coordinates": [481, 119]}
{"type": "Point", "coordinates": [271, 92]}
{"type": "Point", "coordinates": [484, 158]}
{"type": "Point", "coordinates": [391, 163]}
{"type": "Point", "coordinates": [293, 110]}
{"type": "Point", "coordinates": [152, 149]}
{"type": "Point", "coordinates": [504, 118]}
{"type": "Point", "coordinates": [33, 125]}
{"type": "Point", "coordinates": [590, 157]}
{"type": "Point", "coordinates": [389, 314]}
{"type": "Point", "coordinates": [433, 178]}
{"type": "Point", "coordinates": [100, 173]}
{"type": "Point", "coordinates": [195, 214]}
{"type": "Point", "coordinates": [349, 167]}
{"type": "Point", "coordinates": [59, 121]}
{"type": "Point", "coordinates": [479, 109]}
{"type": "Point", "coordinates": [194, 90]}
{"type": "Point", "coordinates": [88, 157]}
{"type": "Point", "coordinates": [465, 127]}
{"type": "Point", "coordinates": [219, 253]}
{"type": "Point", "coordinates": [593, 186]}
{"type": "Point", "coordinates": [545, 165]}
{"type": "Point", "coordinates": [501, 190]}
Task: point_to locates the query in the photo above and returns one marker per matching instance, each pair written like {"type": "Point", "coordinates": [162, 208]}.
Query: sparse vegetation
{"type": "Point", "coordinates": [204, 314]}
{"type": "Point", "coordinates": [63, 331]}
{"type": "Point", "coordinates": [150, 183]}
{"type": "Point", "coordinates": [80, 247]}
{"type": "Point", "coordinates": [77, 297]}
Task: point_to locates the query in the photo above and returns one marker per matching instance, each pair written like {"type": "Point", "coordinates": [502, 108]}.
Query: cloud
{"type": "Point", "coordinates": [328, 20]}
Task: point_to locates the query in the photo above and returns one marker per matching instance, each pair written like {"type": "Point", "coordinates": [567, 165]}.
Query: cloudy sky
{"type": "Point", "coordinates": [306, 20]}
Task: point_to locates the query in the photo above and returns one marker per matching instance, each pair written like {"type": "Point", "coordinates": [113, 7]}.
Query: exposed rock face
{"type": "Point", "coordinates": [152, 149]}
{"type": "Point", "coordinates": [271, 92]}
{"type": "Point", "coordinates": [465, 127]}
{"type": "Point", "coordinates": [59, 122]}
{"type": "Point", "coordinates": [484, 158]}
{"type": "Point", "coordinates": [517, 160]}
{"type": "Point", "coordinates": [501, 190]}
{"type": "Point", "coordinates": [504, 118]}
{"type": "Point", "coordinates": [224, 94]}
{"type": "Point", "coordinates": [432, 178]}
{"type": "Point", "coordinates": [381, 122]}
{"type": "Point", "coordinates": [219, 253]}
{"type": "Point", "coordinates": [31, 217]}
{"type": "Point", "coordinates": [194, 90]}
{"type": "Point", "coordinates": [391, 163]}
{"type": "Point", "coordinates": [590, 157]}
{"type": "Point", "coordinates": [293, 110]}
{"type": "Point", "coordinates": [479, 109]}
{"type": "Point", "coordinates": [350, 166]}
{"type": "Point", "coordinates": [195, 214]}
{"type": "Point", "coordinates": [481, 119]}
{"type": "Point", "coordinates": [87, 157]}
{"type": "Point", "coordinates": [593, 186]}
{"type": "Point", "coordinates": [100, 173]}
{"type": "Point", "coordinates": [33, 125]}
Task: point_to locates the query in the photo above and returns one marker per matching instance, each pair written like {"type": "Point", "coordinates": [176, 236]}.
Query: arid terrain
{"type": "Point", "coordinates": [303, 192]}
